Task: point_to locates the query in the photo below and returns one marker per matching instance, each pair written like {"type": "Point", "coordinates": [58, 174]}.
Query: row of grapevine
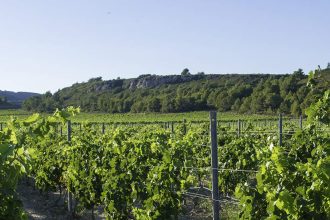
{"type": "Point", "coordinates": [144, 172]}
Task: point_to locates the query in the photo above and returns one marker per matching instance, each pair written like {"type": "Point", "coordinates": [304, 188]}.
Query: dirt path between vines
{"type": "Point", "coordinates": [48, 205]}
{"type": "Point", "coordinates": [52, 206]}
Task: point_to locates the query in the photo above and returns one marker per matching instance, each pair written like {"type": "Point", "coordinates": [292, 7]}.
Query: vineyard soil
{"type": "Point", "coordinates": [49, 205]}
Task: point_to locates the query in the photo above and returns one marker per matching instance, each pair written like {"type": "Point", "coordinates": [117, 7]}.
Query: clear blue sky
{"type": "Point", "coordinates": [51, 44]}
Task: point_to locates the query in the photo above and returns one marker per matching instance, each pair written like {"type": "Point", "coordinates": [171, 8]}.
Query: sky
{"type": "Point", "coordinates": [46, 45]}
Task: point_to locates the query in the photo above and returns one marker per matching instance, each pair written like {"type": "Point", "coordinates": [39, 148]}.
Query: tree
{"type": "Point", "coordinates": [185, 72]}
{"type": "Point", "coordinates": [224, 101]}
{"type": "Point", "coordinates": [168, 104]}
{"type": "Point", "coordinates": [245, 106]}
{"type": "Point", "coordinates": [96, 79]}
{"type": "Point", "coordinates": [154, 105]}
{"type": "Point", "coordinates": [137, 107]}
{"type": "Point", "coordinates": [3, 99]}
{"type": "Point", "coordinates": [298, 73]}
{"type": "Point", "coordinates": [48, 94]}
{"type": "Point", "coordinates": [295, 108]}
{"type": "Point", "coordinates": [237, 105]}
{"type": "Point", "coordinates": [272, 101]}
{"type": "Point", "coordinates": [285, 107]}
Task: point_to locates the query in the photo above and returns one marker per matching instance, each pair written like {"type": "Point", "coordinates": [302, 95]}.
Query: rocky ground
{"type": "Point", "coordinates": [52, 205]}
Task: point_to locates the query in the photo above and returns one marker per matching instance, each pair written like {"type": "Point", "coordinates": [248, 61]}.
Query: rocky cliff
{"type": "Point", "coordinates": [152, 81]}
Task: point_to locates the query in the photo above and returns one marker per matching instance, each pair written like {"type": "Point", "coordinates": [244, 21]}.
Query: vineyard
{"type": "Point", "coordinates": [264, 169]}
{"type": "Point", "coordinates": [198, 116]}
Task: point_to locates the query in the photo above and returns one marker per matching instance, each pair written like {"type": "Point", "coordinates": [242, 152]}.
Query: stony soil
{"type": "Point", "coordinates": [53, 206]}
{"type": "Point", "coordinates": [50, 205]}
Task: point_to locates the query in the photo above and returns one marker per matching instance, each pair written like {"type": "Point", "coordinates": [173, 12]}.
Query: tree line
{"type": "Point", "coordinates": [242, 93]}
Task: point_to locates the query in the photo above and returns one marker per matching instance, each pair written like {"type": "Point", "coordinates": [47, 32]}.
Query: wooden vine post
{"type": "Point", "coordinates": [70, 206]}
{"type": "Point", "coordinates": [184, 126]}
{"type": "Point", "coordinates": [214, 164]}
{"type": "Point", "coordinates": [239, 127]}
{"type": "Point", "coordinates": [103, 128]}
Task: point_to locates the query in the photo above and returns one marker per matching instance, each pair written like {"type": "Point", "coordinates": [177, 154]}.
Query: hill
{"type": "Point", "coordinates": [9, 99]}
{"type": "Point", "coordinates": [244, 93]}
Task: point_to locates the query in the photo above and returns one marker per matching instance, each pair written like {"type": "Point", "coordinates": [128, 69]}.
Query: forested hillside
{"type": "Point", "coordinates": [4, 103]}
{"type": "Point", "coordinates": [9, 99]}
{"type": "Point", "coordinates": [244, 93]}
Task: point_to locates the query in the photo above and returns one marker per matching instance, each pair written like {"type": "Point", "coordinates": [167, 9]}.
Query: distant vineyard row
{"type": "Point", "coordinates": [5, 115]}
